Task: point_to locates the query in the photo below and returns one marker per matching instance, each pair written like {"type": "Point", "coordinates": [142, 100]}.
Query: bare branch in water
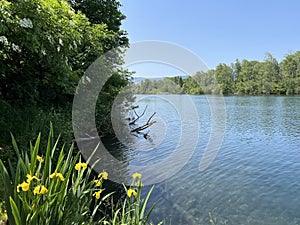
{"type": "Point", "coordinates": [146, 125]}
{"type": "Point", "coordinates": [138, 116]}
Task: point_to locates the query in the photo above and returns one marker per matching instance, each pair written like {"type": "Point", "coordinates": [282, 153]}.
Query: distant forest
{"type": "Point", "coordinates": [245, 77]}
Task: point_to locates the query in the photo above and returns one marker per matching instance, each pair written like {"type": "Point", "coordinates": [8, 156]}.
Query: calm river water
{"type": "Point", "coordinates": [255, 177]}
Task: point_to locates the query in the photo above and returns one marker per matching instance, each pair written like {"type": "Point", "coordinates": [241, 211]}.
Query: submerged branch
{"type": "Point", "coordinates": [138, 116]}
{"type": "Point", "coordinates": [145, 126]}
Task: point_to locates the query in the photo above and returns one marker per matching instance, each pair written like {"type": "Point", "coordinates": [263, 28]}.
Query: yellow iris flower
{"type": "Point", "coordinates": [98, 183]}
{"type": "Point", "coordinates": [30, 178]}
{"type": "Point", "coordinates": [78, 166]}
{"type": "Point", "coordinates": [131, 192]}
{"type": "Point", "coordinates": [40, 190]}
{"type": "Point", "coordinates": [104, 175]}
{"type": "Point", "coordinates": [137, 176]}
{"type": "Point", "coordinates": [59, 175]}
{"type": "Point", "coordinates": [97, 194]}
{"type": "Point", "coordinates": [24, 186]}
{"type": "Point", "coordinates": [44, 190]}
{"type": "Point", "coordinates": [40, 159]}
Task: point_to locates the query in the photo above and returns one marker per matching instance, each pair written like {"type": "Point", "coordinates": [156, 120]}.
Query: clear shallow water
{"type": "Point", "coordinates": [255, 178]}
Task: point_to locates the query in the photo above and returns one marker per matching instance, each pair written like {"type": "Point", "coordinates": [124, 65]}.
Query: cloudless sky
{"type": "Point", "coordinates": [218, 31]}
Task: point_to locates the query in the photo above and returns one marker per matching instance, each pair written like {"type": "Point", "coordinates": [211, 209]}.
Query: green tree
{"type": "Point", "coordinates": [180, 82]}
{"type": "Point", "coordinates": [207, 82]}
{"type": "Point", "coordinates": [269, 76]}
{"type": "Point", "coordinates": [246, 82]}
{"type": "Point", "coordinates": [224, 76]}
{"type": "Point", "coordinates": [290, 70]}
{"type": "Point", "coordinates": [190, 86]}
{"type": "Point", "coordinates": [104, 12]}
{"type": "Point", "coordinates": [236, 69]}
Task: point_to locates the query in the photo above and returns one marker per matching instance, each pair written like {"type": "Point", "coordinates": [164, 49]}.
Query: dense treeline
{"type": "Point", "coordinates": [241, 77]}
{"type": "Point", "coordinates": [45, 47]}
{"type": "Point", "coordinates": [169, 85]}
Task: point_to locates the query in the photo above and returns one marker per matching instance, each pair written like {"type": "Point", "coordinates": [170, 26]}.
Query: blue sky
{"type": "Point", "coordinates": [217, 31]}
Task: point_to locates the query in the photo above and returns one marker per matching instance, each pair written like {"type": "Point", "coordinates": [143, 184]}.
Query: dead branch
{"type": "Point", "coordinates": [151, 117]}
{"type": "Point", "coordinates": [138, 116]}
{"type": "Point", "coordinates": [145, 126]}
{"type": "Point", "coordinates": [133, 108]}
{"type": "Point", "coordinates": [138, 131]}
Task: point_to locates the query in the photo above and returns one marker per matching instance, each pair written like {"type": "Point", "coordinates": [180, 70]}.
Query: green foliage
{"type": "Point", "coordinates": [261, 78]}
{"type": "Point", "coordinates": [40, 190]}
{"type": "Point", "coordinates": [190, 86]}
{"type": "Point", "coordinates": [290, 70]}
{"type": "Point", "coordinates": [224, 77]}
{"type": "Point", "coordinates": [25, 122]}
{"type": "Point", "coordinates": [44, 48]}
{"type": "Point", "coordinates": [165, 86]}
{"type": "Point", "coordinates": [31, 66]}
{"type": "Point", "coordinates": [104, 12]}
{"type": "Point", "coordinates": [106, 99]}
{"type": "Point", "coordinates": [207, 82]}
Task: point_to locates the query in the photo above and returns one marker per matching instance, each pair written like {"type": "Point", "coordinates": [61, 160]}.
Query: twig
{"type": "Point", "coordinates": [151, 117]}
{"type": "Point", "coordinates": [138, 116]}
{"type": "Point", "coordinates": [143, 127]}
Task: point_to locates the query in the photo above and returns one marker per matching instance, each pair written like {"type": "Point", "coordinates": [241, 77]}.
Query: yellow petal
{"type": "Point", "coordinates": [134, 193]}
{"type": "Point", "coordinates": [97, 194]}
{"type": "Point", "coordinates": [131, 192]}
{"type": "Point", "coordinates": [18, 187]}
{"type": "Point", "coordinates": [84, 165]}
{"type": "Point", "coordinates": [104, 175]}
{"type": "Point", "coordinates": [78, 166]}
{"type": "Point", "coordinates": [60, 176]}
{"type": "Point", "coordinates": [40, 159]}
{"type": "Point", "coordinates": [29, 178]}
{"type": "Point", "coordinates": [44, 190]}
{"type": "Point", "coordinates": [137, 176]}
{"type": "Point", "coordinates": [25, 186]}
{"type": "Point", "coordinates": [36, 190]}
